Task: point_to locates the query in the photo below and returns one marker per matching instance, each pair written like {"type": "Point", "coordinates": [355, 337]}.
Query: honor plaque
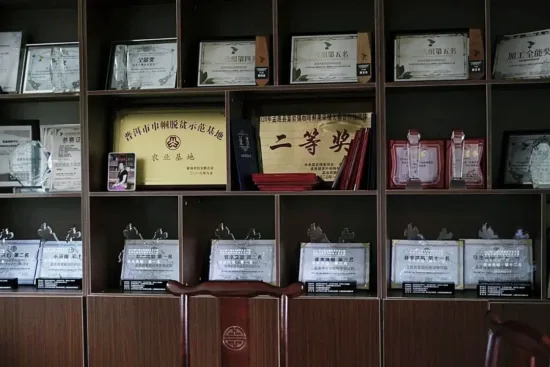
{"type": "Point", "coordinates": [427, 164]}
{"type": "Point", "coordinates": [61, 259]}
{"type": "Point", "coordinates": [227, 63]}
{"type": "Point", "coordinates": [18, 258]}
{"type": "Point", "coordinates": [10, 55]}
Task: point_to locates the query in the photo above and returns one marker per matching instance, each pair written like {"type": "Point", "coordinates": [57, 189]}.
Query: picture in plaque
{"type": "Point", "coordinates": [51, 68]}
{"type": "Point", "coordinates": [526, 159]}
{"type": "Point", "coordinates": [10, 56]}
{"type": "Point", "coordinates": [248, 259]}
{"type": "Point", "coordinates": [122, 172]}
{"type": "Point", "coordinates": [143, 64]}
{"type": "Point", "coordinates": [338, 58]}
{"type": "Point", "coordinates": [523, 56]}
{"type": "Point", "coordinates": [13, 133]}
{"type": "Point", "coordinates": [344, 261]}
{"type": "Point", "coordinates": [234, 63]}
{"type": "Point", "coordinates": [18, 258]}
{"type": "Point", "coordinates": [155, 260]}
{"type": "Point", "coordinates": [309, 143]}
{"type": "Point", "coordinates": [59, 259]}
{"type": "Point", "coordinates": [492, 260]}
{"type": "Point", "coordinates": [185, 146]}
{"type": "Point", "coordinates": [417, 260]}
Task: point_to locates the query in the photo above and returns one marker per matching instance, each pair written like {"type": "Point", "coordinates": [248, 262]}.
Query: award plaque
{"type": "Point", "coordinates": [30, 164]}
{"type": "Point", "coordinates": [12, 134]}
{"type": "Point", "coordinates": [10, 55]}
{"type": "Point", "coordinates": [61, 260]}
{"type": "Point", "coordinates": [493, 260]}
{"type": "Point", "coordinates": [183, 146]}
{"type": "Point", "coordinates": [51, 68]}
{"type": "Point", "coordinates": [143, 64]}
{"type": "Point", "coordinates": [18, 258]}
{"type": "Point", "coordinates": [64, 143]}
{"type": "Point", "coordinates": [227, 63]}
{"type": "Point", "coordinates": [523, 56]}
{"type": "Point", "coordinates": [248, 259]}
{"type": "Point", "coordinates": [526, 159]}
{"type": "Point", "coordinates": [155, 260]}
{"type": "Point", "coordinates": [334, 262]}
{"type": "Point", "coordinates": [417, 260]}
{"type": "Point", "coordinates": [422, 57]}
{"type": "Point", "coordinates": [308, 143]}
{"type": "Point", "coordinates": [469, 169]}
{"type": "Point", "coordinates": [324, 59]}
{"type": "Point", "coordinates": [416, 160]}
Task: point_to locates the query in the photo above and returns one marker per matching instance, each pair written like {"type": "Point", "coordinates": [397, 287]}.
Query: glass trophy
{"type": "Point", "coordinates": [59, 261]}
{"type": "Point", "coordinates": [539, 163]}
{"type": "Point", "coordinates": [457, 160]}
{"type": "Point", "coordinates": [18, 260]}
{"type": "Point", "coordinates": [30, 164]}
{"type": "Point", "coordinates": [248, 259]}
{"type": "Point", "coordinates": [490, 259]}
{"type": "Point", "coordinates": [417, 260]}
{"type": "Point", "coordinates": [413, 157]}
{"type": "Point", "coordinates": [147, 265]}
{"type": "Point", "coordinates": [344, 261]}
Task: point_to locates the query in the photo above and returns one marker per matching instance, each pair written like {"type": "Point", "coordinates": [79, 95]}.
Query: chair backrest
{"type": "Point", "coordinates": [529, 342]}
{"type": "Point", "coordinates": [234, 297]}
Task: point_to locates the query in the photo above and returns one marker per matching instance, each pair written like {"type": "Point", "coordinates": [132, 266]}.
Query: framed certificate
{"type": "Point", "coordinates": [64, 144]}
{"type": "Point", "coordinates": [431, 164]}
{"type": "Point", "coordinates": [51, 67]}
{"type": "Point", "coordinates": [143, 64]}
{"type": "Point", "coordinates": [227, 63]}
{"type": "Point", "coordinates": [10, 56]}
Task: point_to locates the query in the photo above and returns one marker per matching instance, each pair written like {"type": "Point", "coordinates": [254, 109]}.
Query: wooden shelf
{"type": "Point", "coordinates": [39, 97]}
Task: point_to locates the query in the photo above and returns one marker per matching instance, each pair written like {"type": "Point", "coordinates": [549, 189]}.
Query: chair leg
{"type": "Point", "coordinates": [492, 353]}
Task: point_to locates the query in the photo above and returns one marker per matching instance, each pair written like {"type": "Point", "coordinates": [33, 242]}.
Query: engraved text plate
{"type": "Point", "coordinates": [145, 260]}
{"type": "Point", "coordinates": [60, 260]}
{"type": "Point", "coordinates": [18, 259]}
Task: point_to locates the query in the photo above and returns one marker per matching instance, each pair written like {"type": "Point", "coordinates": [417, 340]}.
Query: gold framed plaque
{"type": "Point", "coordinates": [185, 146]}
{"type": "Point", "coordinates": [308, 143]}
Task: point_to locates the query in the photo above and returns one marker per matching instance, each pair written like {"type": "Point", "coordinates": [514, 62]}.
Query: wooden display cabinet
{"type": "Point", "coordinates": [102, 326]}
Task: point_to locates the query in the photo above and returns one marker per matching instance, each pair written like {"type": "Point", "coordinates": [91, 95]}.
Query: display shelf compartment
{"type": "Point", "coordinates": [147, 214]}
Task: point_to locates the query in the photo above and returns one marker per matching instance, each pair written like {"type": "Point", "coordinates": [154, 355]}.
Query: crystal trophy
{"type": "Point", "coordinates": [539, 163]}
{"type": "Point", "coordinates": [248, 259]}
{"type": "Point", "coordinates": [413, 157]}
{"type": "Point", "coordinates": [489, 259]}
{"type": "Point", "coordinates": [343, 261]}
{"type": "Point", "coordinates": [18, 260]}
{"type": "Point", "coordinates": [30, 164]}
{"type": "Point", "coordinates": [147, 265]}
{"type": "Point", "coordinates": [457, 160]}
{"type": "Point", "coordinates": [59, 261]}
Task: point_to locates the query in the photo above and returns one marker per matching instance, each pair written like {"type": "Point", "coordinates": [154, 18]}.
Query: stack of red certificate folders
{"type": "Point", "coordinates": [285, 181]}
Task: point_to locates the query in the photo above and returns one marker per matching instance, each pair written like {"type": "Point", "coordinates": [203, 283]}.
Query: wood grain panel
{"type": "Point", "coordinates": [432, 333]}
{"type": "Point", "coordinates": [41, 331]}
{"type": "Point", "coordinates": [205, 332]}
{"type": "Point", "coordinates": [534, 315]}
{"type": "Point", "coordinates": [133, 331]}
{"type": "Point", "coordinates": [333, 332]}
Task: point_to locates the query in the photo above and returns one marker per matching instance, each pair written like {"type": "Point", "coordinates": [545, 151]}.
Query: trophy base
{"type": "Point", "coordinates": [414, 185]}
{"type": "Point", "coordinates": [457, 184]}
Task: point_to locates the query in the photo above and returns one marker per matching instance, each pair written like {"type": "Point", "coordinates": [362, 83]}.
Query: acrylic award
{"type": "Point", "coordinates": [249, 259]}
{"type": "Point", "coordinates": [18, 259]}
{"type": "Point", "coordinates": [30, 164]}
{"type": "Point", "coordinates": [413, 156]}
{"type": "Point", "coordinates": [457, 160]}
{"type": "Point", "coordinates": [147, 265]}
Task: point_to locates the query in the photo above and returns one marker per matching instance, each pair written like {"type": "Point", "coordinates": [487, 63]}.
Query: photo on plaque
{"type": "Point", "coordinates": [526, 159]}
{"type": "Point", "coordinates": [64, 143]}
{"type": "Point", "coordinates": [13, 133]}
{"type": "Point", "coordinates": [416, 260]}
{"type": "Point", "coordinates": [490, 259]}
{"type": "Point", "coordinates": [59, 259]}
{"type": "Point", "coordinates": [143, 64]}
{"type": "Point", "coordinates": [436, 56]}
{"type": "Point", "coordinates": [51, 68]}
{"type": "Point", "coordinates": [18, 258]}
{"type": "Point", "coordinates": [342, 261]}
{"type": "Point", "coordinates": [523, 56]}
{"type": "Point", "coordinates": [227, 63]}
{"type": "Point", "coordinates": [122, 172]}
{"type": "Point", "coordinates": [10, 56]}
{"type": "Point", "coordinates": [248, 259]}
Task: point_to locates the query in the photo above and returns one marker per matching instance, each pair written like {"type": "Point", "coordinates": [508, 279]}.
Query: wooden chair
{"type": "Point", "coordinates": [529, 342]}
{"type": "Point", "coordinates": [233, 298]}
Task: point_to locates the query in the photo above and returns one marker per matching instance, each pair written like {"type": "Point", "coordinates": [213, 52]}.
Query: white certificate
{"type": "Point", "coordinates": [324, 59]}
{"type": "Point", "coordinates": [10, 54]}
{"type": "Point", "coordinates": [227, 63]}
{"type": "Point", "coordinates": [52, 68]}
{"type": "Point", "coordinates": [144, 66]}
{"type": "Point", "coordinates": [431, 57]}
{"type": "Point", "coordinates": [64, 143]}
{"type": "Point", "coordinates": [10, 138]}
{"type": "Point", "coordinates": [523, 56]}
